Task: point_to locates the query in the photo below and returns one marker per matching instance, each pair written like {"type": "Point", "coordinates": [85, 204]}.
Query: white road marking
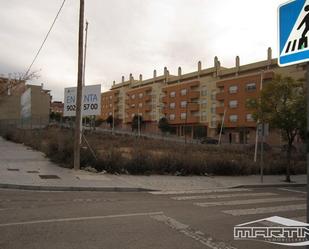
{"type": "Point", "coordinates": [199, 191]}
{"type": "Point", "coordinates": [79, 219]}
{"type": "Point", "coordinates": [292, 190]}
{"type": "Point", "coordinates": [197, 197]}
{"type": "Point", "coordinates": [188, 232]}
{"type": "Point", "coordinates": [248, 201]}
{"type": "Point", "coordinates": [265, 210]}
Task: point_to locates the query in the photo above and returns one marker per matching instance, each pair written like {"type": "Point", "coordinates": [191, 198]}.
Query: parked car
{"type": "Point", "coordinates": [208, 140]}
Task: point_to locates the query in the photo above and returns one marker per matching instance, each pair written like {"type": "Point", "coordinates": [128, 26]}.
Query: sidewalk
{"type": "Point", "coordinates": [23, 168]}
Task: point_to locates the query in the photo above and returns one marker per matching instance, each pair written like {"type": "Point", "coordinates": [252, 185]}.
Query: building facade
{"type": "Point", "coordinates": [197, 104]}
{"type": "Point", "coordinates": [57, 107]}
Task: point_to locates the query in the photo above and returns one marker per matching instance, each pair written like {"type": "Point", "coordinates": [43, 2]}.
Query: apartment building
{"type": "Point", "coordinates": [196, 104]}
{"type": "Point", "coordinates": [57, 107]}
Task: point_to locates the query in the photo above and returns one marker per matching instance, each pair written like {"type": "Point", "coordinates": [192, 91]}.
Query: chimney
{"type": "Point", "coordinates": [165, 71]}
{"type": "Point", "coordinates": [237, 64]}
{"type": "Point", "coordinates": [122, 79]}
{"type": "Point", "coordinates": [179, 71]}
{"type": "Point", "coordinates": [114, 83]}
{"type": "Point", "coordinates": [269, 57]}
{"type": "Point", "coordinates": [140, 77]}
{"type": "Point", "coordinates": [216, 62]}
{"type": "Point", "coordinates": [131, 78]}
{"type": "Point", "coordinates": [154, 73]}
{"type": "Point", "coordinates": [199, 66]}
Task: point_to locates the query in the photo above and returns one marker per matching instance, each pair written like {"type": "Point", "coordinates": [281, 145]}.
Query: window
{"type": "Point", "coordinates": [183, 115]}
{"type": "Point", "coordinates": [133, 96]}
{"type": "Point", "coordinates": [233, 89]}
{"type": "Point", "coordinates": [213, 95]}
{"type": "Point", "coordinates": [183, 92]}
{"type": "Point", "coordinates": [249, 117]}
{"type": "Point", "coordinates": [233, 118]}
{"type": "Point", "coordinates": [133, 105]}
{"type": "Point", "coordinates": [204, 103]}
{"type": "Point", "coordinates": [204, 91]}
{"type": "Point", "coordinates": [250, 87]}
{"type": "Point", "coordinates": [183, 104]}
{"type": "Point", "coordinates": [172, 105]}
{"type": "Point", "coordinates": [110, 114]}
{"type": "Point", "coordinates": [110, 97]}
{"type": "Point", "coordinates": [233, 103]}
{"type": "Point", "coordinates": [172, 116]}
{"type": "Point", "coordinates": [172, 94]}
{"type": "Point", "coordinates": [132, 115]}
{"type": "Point", "coordinates": [110, 105]}
{"type": "Point", "coordinates": [140, 95]}
{"type": "Point", "coordinates": [140, 105]}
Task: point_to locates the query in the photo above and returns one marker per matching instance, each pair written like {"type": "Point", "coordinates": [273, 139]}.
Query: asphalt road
{"type": "Point", "coordinates": [86, 220]}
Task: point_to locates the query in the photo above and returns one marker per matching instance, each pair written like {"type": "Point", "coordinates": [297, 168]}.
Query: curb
{"type": "Point", "coordinates": [280, 185]}
{"type": "Point", "coordinates": [71, 188]}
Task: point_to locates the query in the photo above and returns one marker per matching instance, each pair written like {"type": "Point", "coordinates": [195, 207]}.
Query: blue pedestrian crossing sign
{"type": "Point", "coordinates": [293, 32]}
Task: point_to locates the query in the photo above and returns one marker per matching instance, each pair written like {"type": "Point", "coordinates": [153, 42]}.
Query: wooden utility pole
{"type": "Point", "coordinates": [79, 87]}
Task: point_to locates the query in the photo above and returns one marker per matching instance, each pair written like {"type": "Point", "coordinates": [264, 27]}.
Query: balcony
{"type": "Point", "coordinates": [147, 108]}
{"type": "Point", "coordinates": [148, 89]}
{"type": "Point", "coordinates": [165, 109]}
{"type": "Point", "coordinates": [194, 94]}
{"type": "Point", "coordinates": [220, 110]}
{"type": "Point", "coordinates": [193, 107]}
{"type": "Point", "coordinates": [220, 96]}
{"type": "Point", "coordinates": [147, 98]}
{"type": "Point", "coordinates": [193, 119]}
{"type": "Point", "coordinates": [128, 101]}
{"type": "Point", "coordinates": [220, 84]}
{"type": "Point", "coordinates": [164, 99]}
{"type": "Point", "coordinates": [194, 84]}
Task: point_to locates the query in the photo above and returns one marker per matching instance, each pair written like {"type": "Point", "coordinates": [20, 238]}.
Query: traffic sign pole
{"type": "Point", "coordinates": [293, 21]}
{"type": "Point", "coordinates": [307, 138]}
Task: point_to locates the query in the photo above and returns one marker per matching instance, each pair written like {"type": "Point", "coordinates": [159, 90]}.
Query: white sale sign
{"type": "Point", "coordinates": [91, 101]}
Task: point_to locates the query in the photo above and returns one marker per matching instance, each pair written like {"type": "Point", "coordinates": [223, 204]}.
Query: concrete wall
{"type": "Point", "coordinates": [9, 107]}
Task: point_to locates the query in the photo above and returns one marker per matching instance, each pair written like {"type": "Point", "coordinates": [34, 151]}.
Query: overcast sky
{"type": "Point", "coordinates": [133, 36]}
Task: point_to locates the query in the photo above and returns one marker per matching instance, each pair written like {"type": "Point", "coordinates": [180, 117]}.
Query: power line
{"type": "Point", "coordinates": [22, 78]}
{"type": "Point", "coordinates": [45, 39]}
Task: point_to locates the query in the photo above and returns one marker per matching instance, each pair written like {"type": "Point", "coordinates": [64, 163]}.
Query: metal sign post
{"type": "Point", "coordinates": [293, 27]}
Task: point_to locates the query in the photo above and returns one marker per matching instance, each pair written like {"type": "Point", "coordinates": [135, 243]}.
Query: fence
{"type": "Point", "coordinates": [29, 123]}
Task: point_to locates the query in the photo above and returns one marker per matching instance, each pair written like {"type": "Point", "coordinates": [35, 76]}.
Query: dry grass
{"type": "Point", "coordinates": [124, 154]}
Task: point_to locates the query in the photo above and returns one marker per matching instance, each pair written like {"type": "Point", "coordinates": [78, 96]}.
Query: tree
{"type": "Point", "coordinates": [283, 106]}
{"type": "Point", "coordinates": [137, 121]}
{"type": "Point", "coordinates": [163, 125]}
{"type": "Point", "coordinates": [55, 116]}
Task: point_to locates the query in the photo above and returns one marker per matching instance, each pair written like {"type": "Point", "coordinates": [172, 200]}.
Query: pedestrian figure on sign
{"type": "Point", "coordinates": [303, 43]}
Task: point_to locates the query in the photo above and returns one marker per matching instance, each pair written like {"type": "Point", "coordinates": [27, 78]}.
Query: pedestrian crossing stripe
{"type": "Point", "coordinates": [219, 196]}
{"type": "Point", "coordinates": [293, 32]}
{"type": "Point", "coordinates": [248, 201]}
{"type": "Point", "coordinates": [265, 210]}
